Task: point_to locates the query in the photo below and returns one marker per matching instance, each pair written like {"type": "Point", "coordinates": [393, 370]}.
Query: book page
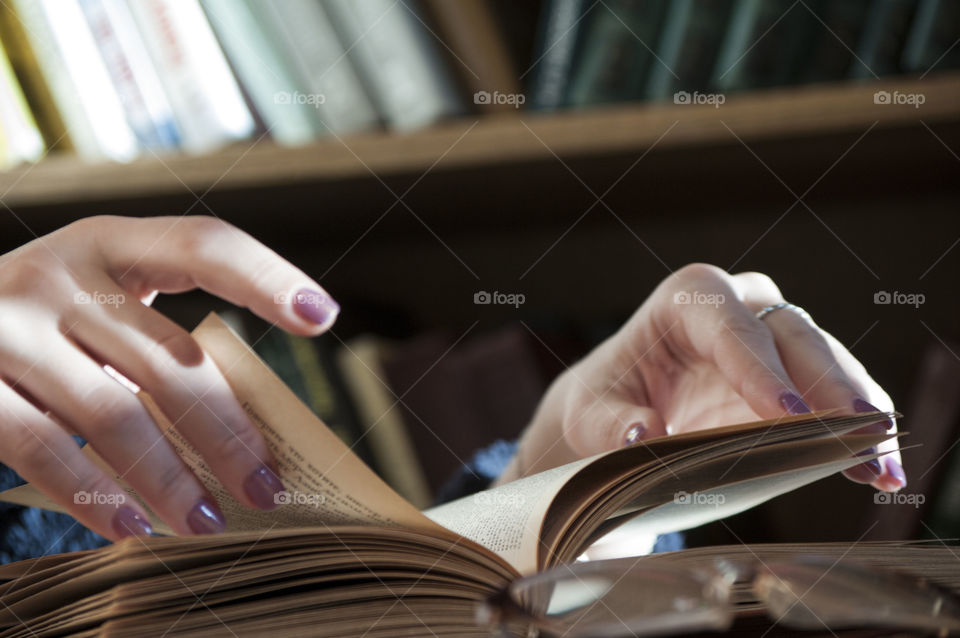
{"type": "Point", "coordinates": [326, 484]}
{"type": "Point", "coordinates": [507, 519]}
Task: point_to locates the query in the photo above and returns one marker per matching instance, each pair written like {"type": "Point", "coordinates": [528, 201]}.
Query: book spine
{"type": "Point", "coordinates": [729, 72]}
{"type": "Point", "coordinates": [383, 426]}
{"type": "Point", "coordinates": [264, 72]}
{"type": "Point", "coordinates": [333, 91]}
{"type": "Point", "coordinates": [52, 65]}
{"type": "Point", "coordinates": [616, 54]}
{"type": "Point", "coordinates": [477, 52]}
{"type": "Point", "coordinates": [203, 93]}
{"type": "Point", "coordinates": [23, 141]}
{"type": "Point", "coordinates": [394, 57]}
{"type": "Point", "coordinates": [663, 75]}
{"type": "Point", "coordinates": [554, 53]}
{"type": "Point", "coordinates": [133, 76]}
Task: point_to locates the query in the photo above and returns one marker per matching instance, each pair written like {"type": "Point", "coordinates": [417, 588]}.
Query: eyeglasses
{"type": "Point", "coordinates": [644, 597]}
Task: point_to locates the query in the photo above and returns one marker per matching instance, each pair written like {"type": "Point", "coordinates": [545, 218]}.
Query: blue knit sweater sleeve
{"type": "Point", "coordinates": [487, 464]}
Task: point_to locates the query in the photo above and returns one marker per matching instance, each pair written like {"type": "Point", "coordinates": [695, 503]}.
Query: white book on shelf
{"type": "Point", "coordinates": [203, 93]}
{"type": "Point", "coordinates": [132, 72]}
{"type": "Point", "coordinates": [396, 60]}
{"type": "Point", "coordinates": [71, 66]}
{"type": "Point", "coordinates": [304, 33]}
{"type": "Point", "coordinates": [21, 137]}
{"type": "Point", "coordinates": [263, 71]}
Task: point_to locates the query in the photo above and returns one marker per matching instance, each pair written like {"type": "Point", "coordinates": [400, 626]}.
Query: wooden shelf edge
{"type": "Point", "coordinates": [781, 113]}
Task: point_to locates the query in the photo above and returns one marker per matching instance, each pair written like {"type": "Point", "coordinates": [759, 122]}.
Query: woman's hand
{"type": "Point", "coordinates": [695, 356]}
{"type": "Point", "coordinates": [77, 299]}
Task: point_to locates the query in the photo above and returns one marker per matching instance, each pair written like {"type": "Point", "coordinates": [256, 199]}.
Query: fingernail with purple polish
{"type": "Point", "coordinates": [128, 522]}
{"type": "Point", "coordinates": [792, 403]}
{"type": "Point", "coordinates": [634, 434]}
{"type": "Point", "coordinates": [866, 472]}
{"type": "Point", "coordinates": [895, 470]}
{"type": "Point", "coordinates": [206, 518]}
{"type": "Point", "coordinates": [859, 405]}
{"type": "Point", "coordinates": [262, 486]}
{"type": "Point", "coordinates": [315, 306]}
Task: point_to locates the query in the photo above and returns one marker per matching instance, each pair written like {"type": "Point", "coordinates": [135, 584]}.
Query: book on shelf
{"type": "Point", "coordinates": [397, 60]}
{"type": "Point", "coordinates": [342, 545]}
{"type": "Point", "coordinates": [478, 52]}
{"type": "Point", "coordinates": [20, 139]}
{"type": "Point", "coordinates": [554, 52]}
{"type": "Point", "coordinates": [203, 93]}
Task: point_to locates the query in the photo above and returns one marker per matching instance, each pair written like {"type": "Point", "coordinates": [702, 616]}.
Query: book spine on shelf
{"type": "Point", "coordinates": [331, 88]}
{"type": "Point", "coordinates": [617, 52]}
{"type": "Point", "coordinates": [203, 93]}
{"type": "Point", "coordinates": [396, 60]}
{"type": "Point", "coordinates": [262, 70]}
{"type": "Point", "coordinates": [22, 138]}
{"type": "Point", "coordinates": [554, 52]}
{"type": "Point", "coordinates": [663, 76]}
{"type": "Point", "coordinates": [132, 73]}
{"type": "Point", "coordinates": [477, 52]}
{"type": "Point", "coordinates": [60, 80]}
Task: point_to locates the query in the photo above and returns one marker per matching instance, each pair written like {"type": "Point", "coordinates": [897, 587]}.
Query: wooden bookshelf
{"type": "Point", "coordinates": [527, 137]}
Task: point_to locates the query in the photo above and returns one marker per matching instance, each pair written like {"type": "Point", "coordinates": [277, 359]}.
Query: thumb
{"type": "Point", "coordinates": [608, 424]}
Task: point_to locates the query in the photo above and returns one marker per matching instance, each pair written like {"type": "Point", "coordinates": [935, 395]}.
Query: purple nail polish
{"type": "Point", "coordinates": [792, 403]}
{"type": "Point", "coordinates": [128, 522]}
{"type": "Point", "coordinates": [859, 405]}
{"type": "Point", "coordinates": [866, 472]}
{"type": "Point", "coordinates": [895, 470]}
{"type": "Point", "coordinates": [262, 487]}
{"type": "Point", "coordinates": [315, 306]}
{"type": "Point", "coordinates": [634, 434]}
{"type": "Point", "coordinates": [206, 518]}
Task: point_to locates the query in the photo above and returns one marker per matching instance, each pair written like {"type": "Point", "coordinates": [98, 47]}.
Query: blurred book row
{"type": "Point", "coordinates": [115, 79]}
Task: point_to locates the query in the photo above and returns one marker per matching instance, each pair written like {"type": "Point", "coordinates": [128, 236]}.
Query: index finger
{"type": "Point", "coordinates": [176, 254]}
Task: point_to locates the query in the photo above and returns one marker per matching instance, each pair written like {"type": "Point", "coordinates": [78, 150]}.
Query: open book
{"type": "Point", "coordinates": [343, 553]}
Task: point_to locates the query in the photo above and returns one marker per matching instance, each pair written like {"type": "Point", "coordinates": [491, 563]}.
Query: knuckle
{"type": "Point", "coordinates": [697, 272]}
{"type": "Point", "coordinates": [181, 347]}
{"type": "Point", "coordinates": [760, 282]}
{"type": "Point", "coordinates": [200, 233]}
{"type": "Point", "coordinates": [237, 443]}
{"type": "Point", "coordinates": [109, 411]}
{"type": "Point", "coordinates": [171, 480]}
{"type": "Point", "coordinates": [32, 446]}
